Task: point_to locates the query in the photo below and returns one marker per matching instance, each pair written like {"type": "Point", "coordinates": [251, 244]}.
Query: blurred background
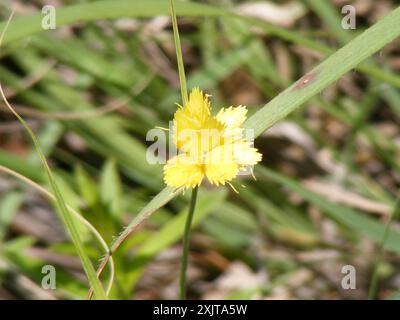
{"type": "Point", "coordinates": [324, 192]}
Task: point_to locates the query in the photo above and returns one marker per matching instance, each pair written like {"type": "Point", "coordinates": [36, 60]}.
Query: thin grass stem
{"type": "Point", "coordinates": [178, 49]}
{"type": "Point", "coordinates": [185, 245]}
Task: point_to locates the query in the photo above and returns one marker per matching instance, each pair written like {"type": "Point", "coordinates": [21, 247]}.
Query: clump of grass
{"type": "Point", "coordinates": [64, 211]}
{"type": "Point", "coordinates": [234, 223]}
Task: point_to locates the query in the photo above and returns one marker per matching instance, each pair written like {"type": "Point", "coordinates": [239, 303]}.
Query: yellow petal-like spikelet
{"type": "Point", "coordinates": [245, 155]}
{"type": "Point", "coordinates": [182, 171]}
{"type": "Point", "coordinates": [198, 105]}
{"type": "Point", "coordinates": [231, 117]}
{"type": "Point", "coordinates": [220, 166]}
{"type": "Point", "coordinates": [194, 116]}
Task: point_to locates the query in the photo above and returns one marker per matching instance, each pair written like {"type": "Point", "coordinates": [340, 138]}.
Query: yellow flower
{"type": "Point", "coordinates": [214, 147]}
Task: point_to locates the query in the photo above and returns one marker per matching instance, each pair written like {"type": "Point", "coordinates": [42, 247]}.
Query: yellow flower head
{"type": "Point", "coordinates": [210, 146]}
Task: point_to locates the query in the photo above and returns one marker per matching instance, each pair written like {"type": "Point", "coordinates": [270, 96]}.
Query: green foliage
{"type": "Point", "coordinates": [115, 188]}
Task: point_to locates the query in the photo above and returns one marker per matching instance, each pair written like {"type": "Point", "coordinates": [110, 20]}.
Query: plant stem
{"type": "Point", "coordinates": [185, 246]}
{"type": "Point", "coordinates": [179, 58]}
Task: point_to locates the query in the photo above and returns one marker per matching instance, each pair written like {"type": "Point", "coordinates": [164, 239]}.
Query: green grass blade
{"type": "Point", "coordinates": [179, 58]}
{"type": "Point", "coordinates": [10, 203]}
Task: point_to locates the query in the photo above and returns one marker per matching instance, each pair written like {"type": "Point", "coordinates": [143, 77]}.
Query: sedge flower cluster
{"type": "Point", "coordinates": [212, 147]}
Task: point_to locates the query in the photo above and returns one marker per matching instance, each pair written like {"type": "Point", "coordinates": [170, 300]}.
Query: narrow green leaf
{"type": "Point", "coordinates": [9, 205]}
{"type": "Point", "coordinates": [111, 189]}
{"type": "Point", "coordinates": [179, 58]}
{"type": "Point", "coordinates": [157, 202]}
{"type": "Point", "coordinates": [86, 185]}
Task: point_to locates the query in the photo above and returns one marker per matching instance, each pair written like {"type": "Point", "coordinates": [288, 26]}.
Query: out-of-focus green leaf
{"type": "Point", "coordinates": [87, 187]}
{"type": "Point", "coordinates": [111, 189]}
{"type": "Point", "coordinates": [9, 205]}
{"type": "Point", "coordinates": [351, 218]}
